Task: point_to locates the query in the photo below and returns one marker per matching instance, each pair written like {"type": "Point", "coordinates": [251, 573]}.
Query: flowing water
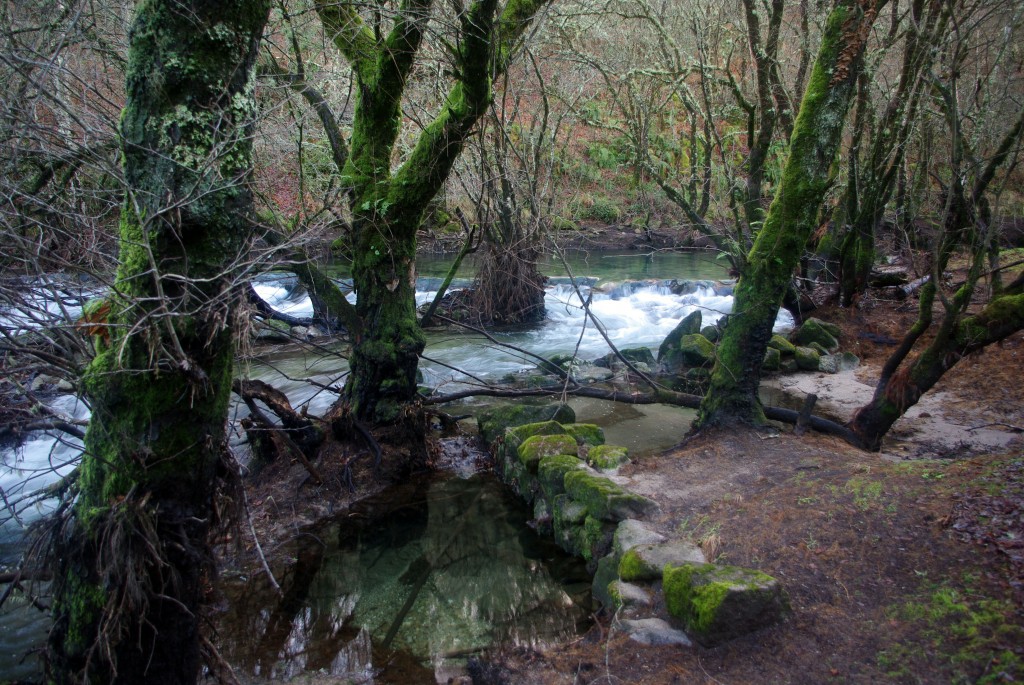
{"type": "Point", "coordinates": [454, 554]}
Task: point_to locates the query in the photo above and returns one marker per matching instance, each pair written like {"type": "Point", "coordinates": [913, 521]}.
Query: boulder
{"type": "Point", "coordinates": [605, 499]}
{"type": "Point", "coordinates": [551, 473]}
{"type": "Point", "coordinates": [654, 631]}
{"type": "Point", "coordinates": [637, 355]}
{"type": "Point", "coordinates": [631, 533]}
{"type": "Point", "coordinates": [718, 603]}
{"type": "Point", "coordinates": [646, 562]}
{"type": "Point", "coordinates": [493, 422]}
{"type": "Point", "coordinates": [816, 330]}
{"type": "Point", "coordinates": [772, 360]}
{"type": "Point", "coordinates": [688, 326]}
{"type": "Point", "coordinates": [537, 447]}
{"type": "Point", "coordinates": [807, 359]}
{"type": "Point", "coordinates": [586, 433]}
{"type": "Point", "coordinates": [696, 350]}
{"type": "Point", "coordinates": [607, 457]}
{"type": "Point", "coordinates": [711, 333]}
{"type": "Point", "coordinates": [627, 596]}
{"type": "Point", "coordinates": [782, 345]}
{"type": "Point", "coordinates": [829, 363]}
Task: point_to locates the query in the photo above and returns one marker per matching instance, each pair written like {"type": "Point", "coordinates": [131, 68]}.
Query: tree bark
{"type": "Point", "coordinates": [817, 133]}
{"type": "Point", "coordinates": [133, 564]}
{"type": "Point", "coordinates": [387, 207]}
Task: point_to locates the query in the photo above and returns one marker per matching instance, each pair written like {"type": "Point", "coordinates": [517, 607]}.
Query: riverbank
{"type": "Point", "coordinates": [903, 566]}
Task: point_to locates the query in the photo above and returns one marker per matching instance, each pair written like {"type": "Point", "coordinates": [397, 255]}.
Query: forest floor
{"type": "Point", "coordinates": [901, 566]}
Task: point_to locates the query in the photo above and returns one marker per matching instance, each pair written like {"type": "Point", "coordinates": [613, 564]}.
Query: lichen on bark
{"type": "Point", "coordinates": [131, 569]}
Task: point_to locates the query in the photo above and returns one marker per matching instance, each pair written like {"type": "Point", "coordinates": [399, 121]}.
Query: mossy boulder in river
{"type": "Point", "coordinates": [688, 326]}
{"type": "Point", "coordinates": [696, 350]}
{"type": "Point", "coordinates": [718, 603]}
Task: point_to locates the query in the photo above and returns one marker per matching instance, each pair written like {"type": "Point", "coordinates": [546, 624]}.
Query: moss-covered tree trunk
{"type": "Point", "coordinates": [133, 559]}
{"type": "Point", "coordinates": [817, 133]}
{"type": "Point", "coordinates": [388, 205]}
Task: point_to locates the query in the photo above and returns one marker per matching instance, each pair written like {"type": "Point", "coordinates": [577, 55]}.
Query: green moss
{"type": "Point", "coordinates": [782, 345]}
{"type": "Point", "coordinates": [718, 603]}
{"type": "Point", "coordinates": [537, 447]}
{"type": "Point", "coordinates": [604, 499]}
{"type": "Point", "coordinates": [608, 456]}
{"type": "Point", "coordinates": [631, 567]}
{"type": "Point", "coordinates": [551, 473]}
{"type": "Point", "coordinates": [586, 433]}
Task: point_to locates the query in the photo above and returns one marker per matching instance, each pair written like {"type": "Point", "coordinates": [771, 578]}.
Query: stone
{"type": "Point", "coordinates": [537, 447]}
{"type": "Point", "coordinates": [654, 631]}
{"type": "Point", "coordinates": [689, 325]}
{"type": "Point", "coordinates": [551, 473]}
{"type": "Point", "coordinates": [646, 562]}
{"type": "Point", "coordinates": [718, 603]}
{"type": "Point", "coordinates": [627, 596]}
{"type": "Point", "coordinates": [782, 345]}
{"type": "Point", "coordinates": [848, 361]}
{"type": "Point", "coordinates": [807, 359]}
{"type": "Point", "coordinates": [568, 512]}
{"type": "Point", "coordinates": [607, 457]}
{"type": "Point", "coordinates": [772, 360]}
{"type": "Point", "coordinates": [592, 374]}
{"type": "Point", "coordinates": [819, 348]}
{"type": "Point", "coordinates": [605, 499]}
{"type": "Point", "coordinates": [636, 355]}
{"type": "Point", "coordinates": [816, 330]}
{"type": "Point", "coordinates": [605, 574]}
{"type": "Point", "coordinates": [829, 363]}
{"type": "Point", "coordinates": [629, 534]}
{"type": "Point", "coordinates": [711, 333]}
{"type": "Point", "coordinates": [696, 350]}
{"type": "Point", "coordinates": [493, 422]}
{"type": "Point", "coordinates": [586, 433]}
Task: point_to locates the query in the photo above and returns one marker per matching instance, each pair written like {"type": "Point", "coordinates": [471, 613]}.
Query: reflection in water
{"type": "Point", "coordinates": [437, 572]}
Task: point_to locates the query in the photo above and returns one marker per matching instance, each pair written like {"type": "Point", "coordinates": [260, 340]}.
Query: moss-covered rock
{"type": "Point", "coordinates": [782, 345]}
{"type": "Point", "coordinates": [688, 326]}
{"type": "Point", "coordinates": [807, 359]}
{"type": "Point", "coordinates": [537, 447]}
{"type": "Point", "coordinates": [607, 457]}
{"type": "Point", "coordinates": [636, 355]}
{"type": "Point", "coordinates": [718, 603]}
{"type": "Point", "coordinates": [605, 574]}
{"type": "Point", "coordinates": [772, 360]}
{"type": "Point", "coordinates": [566, 512]}
{"type": "Point", "coordinates": [646, 562]}
{"type": "Point", "coordinates": [630, 533]}
{"type": "Point", "coordinates": [623, 595]}
{"type": "Point", "coordinates": [712, 333]}
{"type": "Point", "coordinates": [829, 363]}
{"type": "Point", "coordinates": [606, 500]}
{"type": "Point", "coordinates": [551, 473]}
{"type": "Point", "coordinates": [586, 433]}
{"type": "Point", "coordinates": [696, 350]}
{"type": "Point", "coordinates": [819, 348]}
{"type": "Point", "coordinates": [816, 330]}
{"type": "Point", "coordinates": [493, 422]}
